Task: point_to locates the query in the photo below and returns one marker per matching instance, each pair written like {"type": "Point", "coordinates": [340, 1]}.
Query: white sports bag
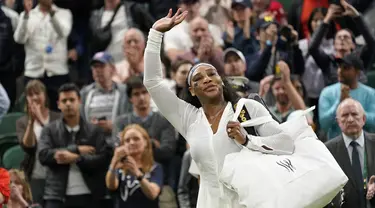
{"type": "Point", "coordinates": [310, 177]}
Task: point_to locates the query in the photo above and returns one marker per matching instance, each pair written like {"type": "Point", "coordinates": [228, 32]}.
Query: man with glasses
{"type": "Point", "coordinates": [350, 67]}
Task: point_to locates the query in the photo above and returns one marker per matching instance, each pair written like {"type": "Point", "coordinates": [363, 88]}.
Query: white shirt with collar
{"type": "Point", "coordinates": [37, 32]}
{"type": "Point", "coordinates": [76, 183]}
{"type": "Point", "coordinates": [361, 147]}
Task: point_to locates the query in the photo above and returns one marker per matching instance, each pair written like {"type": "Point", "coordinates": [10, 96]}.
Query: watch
{"type": "Point", "coordinates": [246, 142]}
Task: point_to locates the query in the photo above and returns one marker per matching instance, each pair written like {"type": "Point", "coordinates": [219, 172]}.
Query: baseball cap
{"type": "Point", "coordinates": [234, 51]}
{"type": "Point", "coordinates": [353, 60]}
{"type": "Point", "coordinates": [102, 57]}
{"type": "Point", "coordinates": [245, 3]}
{"type": "Point", "coordinates": [265, 22]}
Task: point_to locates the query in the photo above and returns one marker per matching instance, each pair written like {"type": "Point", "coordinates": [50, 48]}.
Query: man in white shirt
{"type": "Point", "coordinates": [354, 151]}
{"type": "Point", "coordinates": [177, 41]}
{"type": "Point", "coordinates": [44, 32]}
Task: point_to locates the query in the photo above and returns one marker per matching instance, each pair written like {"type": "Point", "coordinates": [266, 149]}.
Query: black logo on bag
{"type": "Point", "coordinates": [287, 164]}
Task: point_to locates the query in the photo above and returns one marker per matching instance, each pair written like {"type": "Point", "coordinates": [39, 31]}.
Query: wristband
{"type": "Point", "coordinates": [246, 142]}
{"type": "Point", "coordinates": [112, 171]}
{"type": "Point", "coordinates": [139, 178]}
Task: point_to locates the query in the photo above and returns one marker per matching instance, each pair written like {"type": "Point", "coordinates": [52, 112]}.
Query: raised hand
{"type": "Point", "coordinates": [166, 23]}
{"type": "Point", "coordinates": [27, 5]}
{"type": "Point", "coordinates": [349, 9]}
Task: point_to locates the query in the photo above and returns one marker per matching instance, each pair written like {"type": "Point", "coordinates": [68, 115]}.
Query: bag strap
{"type": "Point", "coordinates": [113, 16]}
{"type": "Point", "coordinates": [242, 116]}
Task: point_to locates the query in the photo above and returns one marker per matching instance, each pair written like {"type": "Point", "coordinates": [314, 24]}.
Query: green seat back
{"type": "Point", "coordinates": [13, 157]}
{"type": "Point", "coordinates": [20, 104]}
{"type": "Point", "coordinates": [8, 123]}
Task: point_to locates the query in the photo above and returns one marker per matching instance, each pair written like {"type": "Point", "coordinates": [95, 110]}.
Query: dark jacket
{"type": "Point", "coordinates": [327, 63]}
{"type": "Point", "coordinates": [188, 186]}
{"type": "Point", "coordinates": [256, 71]}
{"type": "Point", "coordinates": [54, 137]}
{"type": "Point", "coordinates": [29, 160]}
{"type": "Point", "coordinates": [339, 151]}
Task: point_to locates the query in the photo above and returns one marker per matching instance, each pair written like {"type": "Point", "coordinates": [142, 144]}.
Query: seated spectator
{"type": "Point", "coordinates": [133, 175]}
{"type": "Point", "coordinates": [179, 73]}
{"type": "Point", "coordinates": [29, 129]}
{"type": "Point", "coordinates": [133, 49]}
{"type": "Point", "coordinates": [103, 100]}
{"type": "Point", "coordinates": [350, 68]}
{"type": "Point", "coordinates": [241, 36]}
{"type": "Point", "coordinates": [44, 32]}
{"type": "Point", "coordinates": [287, 97]}
{"type": "Point", "coordinates": [188, 186]}
{"type": "Point", "coordinates": [20, 194]}
{"type": "Point", "coordinates": [4, 102]}
{"type": "Point", "coordinates": [275, 45]}
{"type": "Point", "coordinates": [76, 155]}
{"type": "Point", "coordinates": [235, 66]}
{"type": "Point", "coordinates": [203, 49]}
{"type": "Point", "coordinates": [351, 149]}
{"type": "Point", "coordinates": [125, 15]}
{"type": "Point", "coordinates": [178, 41]}
{"type": "Point", "coordinates": [344, 43]}
{"type": "Point", "coordinates": [4, 187]}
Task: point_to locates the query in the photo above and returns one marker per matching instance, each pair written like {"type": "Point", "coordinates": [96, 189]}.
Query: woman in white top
{"type": "Point", "coordinates": [205, 119]}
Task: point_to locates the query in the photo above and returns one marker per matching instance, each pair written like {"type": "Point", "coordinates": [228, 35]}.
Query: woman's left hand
{"type": "Point", "coordinates": [131, 166]}
{"type": "Point", "coordinates": [234, 132]}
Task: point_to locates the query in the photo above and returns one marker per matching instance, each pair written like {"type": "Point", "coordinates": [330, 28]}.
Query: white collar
{"type": "Point", "coordinates": [360, 140]}
{"type": "Point", "coordinates": [74, 129]}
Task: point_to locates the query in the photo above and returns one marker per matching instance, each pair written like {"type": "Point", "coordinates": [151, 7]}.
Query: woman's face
{"type": "Point", "coordinates": [317, 20]}
{"type": "Point", "coordinates": [181, 74]}
{"type": "Point", "coordinates": [15, 183]}
{"type": "Point", "coordinates": [135, 142]}
{"type": "Point", "coordinates": [206, 83]}
{"type": "Point", "coordinates": [37, 97]}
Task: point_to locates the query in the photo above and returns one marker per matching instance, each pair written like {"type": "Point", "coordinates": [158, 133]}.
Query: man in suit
{"type": "Point", "coordinates": [354, 151]}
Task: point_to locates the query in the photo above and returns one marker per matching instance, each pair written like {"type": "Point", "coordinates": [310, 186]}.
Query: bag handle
{"type": "Point", "coordinates": [241, 108]}
{"type": "Point", "coordinates": [113, 16]}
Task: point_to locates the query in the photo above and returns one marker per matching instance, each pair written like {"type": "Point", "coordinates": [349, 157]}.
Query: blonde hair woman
{"type": "Point", "coordinates": [20, 195]}
{"type": "Point", "coordinates": [133, 174]}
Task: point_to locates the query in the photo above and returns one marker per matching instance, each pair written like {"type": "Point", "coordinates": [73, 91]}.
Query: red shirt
{"type": "Point", "coordinates": [4, 185]}
{"type": "Point", "coordinates": [307, 8]}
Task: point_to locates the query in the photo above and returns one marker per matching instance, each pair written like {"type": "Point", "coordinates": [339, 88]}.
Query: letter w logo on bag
{"type": "Point", "coordinates": [287, 164]}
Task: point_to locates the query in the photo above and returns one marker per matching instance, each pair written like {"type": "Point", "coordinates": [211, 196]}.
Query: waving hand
{"type": "Point", "coordinates": [166, 23]}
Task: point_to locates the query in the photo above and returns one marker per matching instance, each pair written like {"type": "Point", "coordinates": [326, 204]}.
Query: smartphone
{"type": "Point", "coordinates": [336, 2]}
{"type": "Point", "coordinates": [103, 118]}
{"type": "Point", "coordinates": [286, 32]}
{"type": "Point", "coordinates": [277, 71]}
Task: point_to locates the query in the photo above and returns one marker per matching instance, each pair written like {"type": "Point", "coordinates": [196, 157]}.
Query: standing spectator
{"type": "Point", "coordinates": [344, 43]}
{"type": "Point", "coordinates": [353, 150]}
{"type": "Point", "coordinates": [125, 15]}
{"type": "Point", "coordinates": [203, 49]}
{"type": "Point", "coordinates": [20, 195]}
{"type": "Point", "coordinates": [103, 100]}
{"type": "Point", "coordinates": [287, 97]}
{"type": "Point", "coordinates": [242, 36]}
{"type": "Point", "coordinates": [12, 58]}
{"type": "Point", "coordinates": [133, 50]}
{"type": "Point", "coordinates": [133, 174]}
{"type": "Point", "coordinates": [313, 78]}
{"type": "Point", "coordinates": [29, 129]}
{"type": "Point", "coordinates": [44, 32]}
{"type": "Point", "coordinates": [218, 14]}
{"type": "Point", "coordinates": [76, 155]}
{"type": "Point", "coordinates": [350, 67]}
{"type": "Point", "coordinates": [4, 187]}
{"type": "Point", "coordinates": [274, 46]}
{"type": "Point", "coordinates": [4, 102]}
{"type": "Point", "coordinates": [178, 41]}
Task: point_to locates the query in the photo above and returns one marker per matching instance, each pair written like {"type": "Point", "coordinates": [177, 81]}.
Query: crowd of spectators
{"type": "Point", "coordinates": [90, 132]}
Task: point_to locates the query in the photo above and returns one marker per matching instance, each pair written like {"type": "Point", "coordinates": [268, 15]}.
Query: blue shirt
{"type": "Point", "coordinates": [330, 99]}
{"type": "Point", "coordinates": [130, 194]}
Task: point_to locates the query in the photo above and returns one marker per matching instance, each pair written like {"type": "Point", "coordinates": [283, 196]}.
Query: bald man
{"type": "Point", "coordinates": [203, 49]}
{"type": "Point", "coordinates": [133, 49]}
{"type": "Point", "coordinates": [354, 151]}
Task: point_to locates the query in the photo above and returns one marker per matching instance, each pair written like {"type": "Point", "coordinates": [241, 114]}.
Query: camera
{"type": "Point", "coordinates": [286, 32]}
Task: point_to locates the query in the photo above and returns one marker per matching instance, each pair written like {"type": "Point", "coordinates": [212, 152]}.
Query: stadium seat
{"type": "Point", "coordinates": [8, 124]}
{"type": "Point", "coordinates": [19, 106]}
{"type": "Point", "coordinates": [13, 157]}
